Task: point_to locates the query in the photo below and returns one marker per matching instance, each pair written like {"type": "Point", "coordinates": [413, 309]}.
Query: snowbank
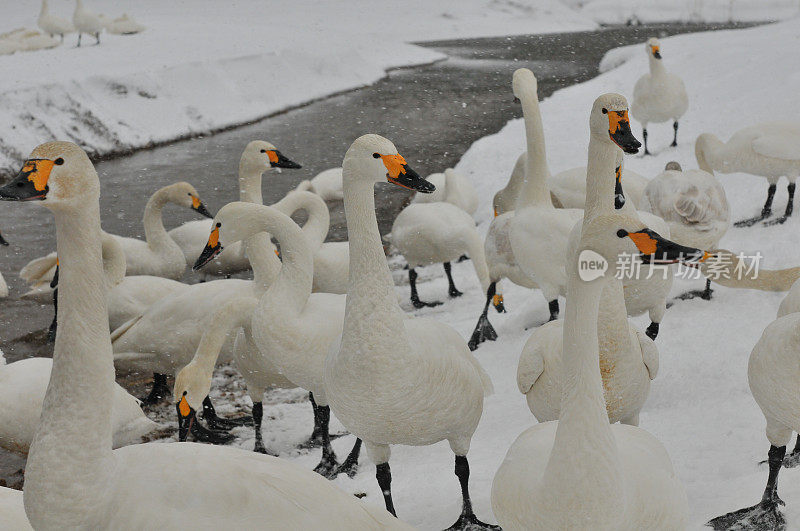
{"type": "Point", "coordinates": [205, 65]}
{"type": "Point", "coordinates": [700, 406]}
{"type": "Point", "coordinates": [644, 11]}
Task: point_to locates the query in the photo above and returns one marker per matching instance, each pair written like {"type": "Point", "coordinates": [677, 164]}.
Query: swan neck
{"type": "Point", "coordinates": [226, 321]}
{"type": "Point", "coordinates": [265, 264]}
{"type": "Point", "coordinates": [70, 456]}
{"type": "Point", "coordinates": [657, 68]}
{"type": "Point", "coordinates": [250, 183]}
{"type": "Point", "coordinates": [600, 179]}
{"type": "Point", "coordinates": [114, 262]}
{"type": "Point", "coordinates": [316, 226]}
{"type": "Point", "coordinates": [154, 231]}
{"type": "Point", "coordinates": [534, 191]}
{"type": "Point", "coordinates": [705, 151]}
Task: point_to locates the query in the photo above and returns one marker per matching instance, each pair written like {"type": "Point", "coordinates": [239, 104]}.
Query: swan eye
{"type": "Point", "coordinates": [59, 161]}
{"type": "Point", "coordinates": [376, 155]}
{"type": "Point", "coordinates": [263, 151]}
{"type": "Point", "coordinates": [184, 393]}
{"type": "Point", "coordinates": [218, 225]}
{"type": "Point", "coordinates": [605, 111]}
{"type": "Point", "coordinates": [621, 233]}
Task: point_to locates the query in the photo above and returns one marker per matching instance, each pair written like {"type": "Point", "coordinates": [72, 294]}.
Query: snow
{"type": "Point", "coordinates": [205, 65]}
{"type": "Point", "coordinates": [645, 11]}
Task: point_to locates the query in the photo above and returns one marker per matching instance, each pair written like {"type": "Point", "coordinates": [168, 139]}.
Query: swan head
{"type": "Point", "coordinates": [261, 155]}
{"type": "Point", "coordinates": [617, 235]}
{"type": "Point", "coordinates": [673, 166]}
{"type": "Point", "coordinates": [524, 85]}
{"type": "Point", "coordinates": [185, 195]}
{"type": "Point", "coordinates": [609, 122]}
{"type": "Point", "coordinates": [372, 158]}
{"type": "Point", "coordinates": [59, 174]}
{"type": "Point", "coordinates": [653, 47]}
{"type": "Point", "coordinates": [191, 387]}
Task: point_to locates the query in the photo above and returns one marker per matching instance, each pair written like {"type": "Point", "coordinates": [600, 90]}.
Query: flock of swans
{"type": "Point", "coordinates": [325, 317]}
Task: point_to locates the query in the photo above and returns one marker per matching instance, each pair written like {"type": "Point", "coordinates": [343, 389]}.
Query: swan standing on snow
{"type": "Point", "coordinates": [628, 358]}
{"type": "Point", "coordinates": [392, 380]}
{"type": "Point", "coordinates": [86, 22]}
{"type": "Point", "coordinates": [53, 24]}
{"type": "Point", "coordinates": [771, 150]}
{"type": "Point", "coordinates": [433, 233]}
{"type": "Point", "coordinates": [658, 96]}
{"type": "Point", "coordinates": [172, 485]}
{"type": "Point", "coordinates": [327, 184]}
{"type": "Point", "coordinates": [694, 204]}
{"type": "Point", "coordinates": [258, 157]}
{"type": "Point", "coordinates": [292, 327]}
{"type": "Point", "coordinates": [453, 188]}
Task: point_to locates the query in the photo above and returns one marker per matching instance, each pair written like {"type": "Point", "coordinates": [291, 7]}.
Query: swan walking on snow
{"type": "Point", "coordinates": [53, 24]}
{"type": "Point", "coordinates": [86, 21]}
{"type": "Point", "coordinates": [658, 96]}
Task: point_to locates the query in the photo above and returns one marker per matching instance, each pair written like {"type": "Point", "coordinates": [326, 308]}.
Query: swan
{"type": "Point", "coordinates": [53, 24]}
{"type": "Point", "coordinates": [22, 390]}
{"type": "Point", "coordinates": [569, 186]}
{"type": "Point", "coordinates": [432, 233]}
{"type": "Point", "coordinates": [258, 157]}
{"type": "Point", "coordinates": [392, 380]}
{"type": "Point", "coordinates": [694, 204]}
{"type": "Point", "coordinates": [327, 184]}
{"type": "Point", "coordinates": [124, 25]}
{"type": "Point", "coordinates": [628, 358]}
{"type": "Point", "coordinates": [658, 96]}
{"type": "Point", "coordinates": [12, 511]}
{"type": "Point", "coordinates": [505, 200]}
{"type": "Point", "coordinates": [771, 150]}
{"type": "Point", "coordinates": [453, 188]}
{"type": "Point", "coordinates": [580, 471]}
{"type": "Point", "coordinates": [25, 40]}
{"type": "Point", "coordinates": [292, 327]}
{"type": "Point", "coordinates": [86, 21]}
{"type": "Point", "coordinates": [172, 485]}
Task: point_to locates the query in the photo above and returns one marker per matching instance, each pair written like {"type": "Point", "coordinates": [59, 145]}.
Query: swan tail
{"type": "Point", "coordinates": [691, 208]}
{"type": "Point", "coordinates": [304, 186]}
{"type": "Point", "coordinates": [39, 269]}
{"type": "Point", "coordinates": [124, 327]}
{"type": "Point", "coordinates": [486, 382]}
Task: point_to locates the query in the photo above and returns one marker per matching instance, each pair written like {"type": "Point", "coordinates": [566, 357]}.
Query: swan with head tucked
{"type": "Point", "coordinates": [292, 327]}
{"type": "Point", "coordinates": [771, 150]}
{"type": "Point", "coordinates": [257, 158]}
{"type": "Point", "coordinates": [124, 25]}
{"type": "Point", "coordinates": [658, 96]}
{"type": "Point", "coordinates": [166, 485]}
{"type": "Point", "coordinates": [694, 204]}
{"type": "Point", "coordinates": [53, 24]}
{"type": "Point", "coordinates": [628, 358]}
{"type": "Point", "coordinates": [451, 187]}
{"type": "Point", "coordinates": [393, 380]}
{"type": "Point", "coordinates": [85, 21]}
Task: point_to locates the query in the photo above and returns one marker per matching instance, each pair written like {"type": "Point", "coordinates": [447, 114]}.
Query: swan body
{"type": "Point", "coordinates": [693, 203]}
{"type": "Point", "coordinates": [453, 188]}
{"type": "Point", "coordinates": [505, 200]}
{"type": "Point", "coordinates": [327, 184]}
{"type": "Point", "coordinates": [580, 471]}
{"type": "Point", "coordinates": [791, 302]}
{"type": "Point", "coordinates": [53, 24]}
{"type": "Point", "coordinates": [124, 25]}
{"type": "Point", "coordinates": [85, 21]}
{"type": "Point", "coordinates": [12, 511]}
{"type": "Point", "coordinates": [3, 287]}
{"type": "Point", "coordinates": [176, 485]}
{"type": "Point", "coordinates": [257, 158]}
{"type": "Point", "coordinates": [22, 390]}
{"type": "Point", "coordinates": [569, 187]}
{"type": "Point", "coordinates": [331, 267]}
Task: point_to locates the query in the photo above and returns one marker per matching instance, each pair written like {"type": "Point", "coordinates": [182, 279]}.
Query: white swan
{"type": "Point", "coordinates": [135, 486]}
{"type": "Point", "coordinates": [22, 390]}
{"type": "Point", "coordinates": [327, 184]}
{"type": "Point", "coordinates": [292, 327]}
{"type": "Point", "coordinates": [569, 186]}
{"type": "Point", "coordinates": [694, 204]}
{"type": "Point", "coordinates": [771, 150]}
{"type": "Point", "coordinates": [53, 24]}
{"type": "Point", "coordinates": [392, 380]}
{"type": "Point", "coordinates": [124, 25]}
{"type": "Point", "coordinates": [433, 233]}
{"type": "Point", "coordinates": [628, 358]}
{"type": "Point", "coordinates": [505, 200]}
{"type": "Point", "coordinates": [451, 187]}
{"type": "Point", "coordinates": [581, 471]}
{"type": "Point", "coordinates": [12, 511]}
{"type": "Point", "coordinates": [258, 157]}
{"type": "Point", "coordinates": [658, 96]}
{"type": "Point", "coordinates": [85, 21]}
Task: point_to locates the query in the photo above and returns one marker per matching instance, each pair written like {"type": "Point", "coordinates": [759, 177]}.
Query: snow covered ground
{"type": "Point", "coordinates": [202, 65]}
{"type": "Point", "coordinates": [644, 11]}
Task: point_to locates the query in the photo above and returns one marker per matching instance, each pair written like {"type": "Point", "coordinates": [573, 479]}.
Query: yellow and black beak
{"type": "Point", "coordinates": [497, 302]}
{"type": "Point", "coordinates": [3, 241]}
{"type": "Point", "coordinates": [398, 172]}
{"type": "Point", "coordinates": [278, 160]}
{"type": "Point", "coordinates": [657, 250]}
{"type": "Point", "coordinates": [212, 249]}
{"type": "Point", "coordinates": [619, 129]}
{"type": "Point", "coordinates": [30, 184]}
{"type": "Point", "coordinates": [200, 208]}
{"type": "Point", "coordinates": [656, 51]}
{"type": "Point", "coordinates": [186, 418]}
{"type": "Point", "coordinates": [619, 195]}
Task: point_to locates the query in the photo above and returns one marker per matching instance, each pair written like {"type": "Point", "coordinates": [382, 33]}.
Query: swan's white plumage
{"type": "Point", "coordinates": [86, 21]}
{"type": "Point", "coordinates": [327, 184]}
{"type": "Point", "coordinates": [124, 25]}
{"type": "Point", "coordinates": [3, 287]}
{"type": "Point", "coordinates": [658, 96]}
{"type": "Point", "coordinates": [12, 512]}
{"type": "Point", "coordinates": [569, 187]}
{"type": "Point", "coordinates": [53, 24]}
{"type": "Point", "coordinates": [453, 188]}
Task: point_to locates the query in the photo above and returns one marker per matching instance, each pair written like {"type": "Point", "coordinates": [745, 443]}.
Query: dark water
{"type": "Point", "coordinates": [432, 113]}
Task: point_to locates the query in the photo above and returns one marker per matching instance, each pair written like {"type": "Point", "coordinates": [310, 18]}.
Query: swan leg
{"type": "Point", "coordinates": [218, 423]}
{"type": "Point", "coordinates": [704, 294]}
{"type": "Point", "coordinates": [644, 136]}
{"type": "Point", "coordinates": [553, 306]}
{"type": "Point", "coordinates": [484, 331]}
{"type": "Point", "coordinates": [765, 212]}
{"type": "Point", "coordinates": [675, 135]}
{"type": "Point", "coordinates": [350, 465]}
{"type": "Point", "coordinates": [412, 280]}
{"type": "Point", "coordinates": [203, 434]}
{"type": "Point", "coordinates": [467, 520]}
{"type": "Point", "coordinates": [652, 330]}
{"type": "Point", "coordinates": [452, 290]}
{"type": "Point", "coordinates": [159, 391]}
{"type": "Point", "coordinates": [97, 36]}
{"type": "Point", "coordinates": [316, 435]}
{"type": "Point", "coordinates": [789, 208]}
{"type": "Point", "coordinates": [384, 476]}
{"type": "Point", "coordinates": [766, 514]}
{"type": "Point", "coordinates": [327, 465]}
{"type": "Point", "coordinates": [51, 331]}
{"type": "Point", "coordinates": [792, 460]}
{"type": "Point", "coordinates": [258, 416]}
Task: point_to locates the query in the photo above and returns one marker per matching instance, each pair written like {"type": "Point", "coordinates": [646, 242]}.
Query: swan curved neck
{"type": "Point", "coordinates": [228, 319]}
{"type": "Point", "coordinates": [250, 182]}
{"type": "Point", "coordinates": [534, 191]}
{"type": "Point", "coordinates": [316, 226]}
{"type": "Point", "coordinates": [706, 152]}
{"type": "Point", "coordinates": [262, 259]}
{"type": "Point", "coordinates": [114, 263]}
{"type": "Point", "coordinates": [76, 415]}
{"type": "Point", "coordinates": [600, 179]}
{"type": "Point", "coordinates": [154, 231]}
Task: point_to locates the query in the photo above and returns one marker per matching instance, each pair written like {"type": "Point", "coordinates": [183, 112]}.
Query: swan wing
{"type": "Point", "coordinates": [649, 352]}
{"type": "Point", "coordinates": [779, 141]}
